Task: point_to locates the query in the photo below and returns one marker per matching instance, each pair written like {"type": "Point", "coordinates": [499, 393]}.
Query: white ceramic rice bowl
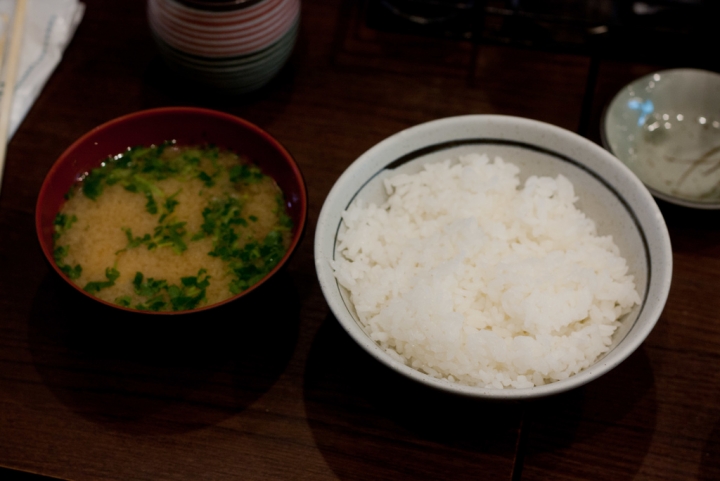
{"type": "Point", "coordinates": [608, 192]}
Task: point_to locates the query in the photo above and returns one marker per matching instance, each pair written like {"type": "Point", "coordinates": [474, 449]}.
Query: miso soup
{"type": "Point", "coordinates": [171, 228]}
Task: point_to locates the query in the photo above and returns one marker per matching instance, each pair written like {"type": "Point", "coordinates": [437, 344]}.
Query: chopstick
{"type": "Point", "coordinates": [11, 68]}
{"type": "Point", "coordinates": [3, 21]}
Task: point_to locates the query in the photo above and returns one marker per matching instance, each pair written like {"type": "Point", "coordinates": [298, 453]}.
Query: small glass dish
{"type": "Point", "coordinates": [665, 127]}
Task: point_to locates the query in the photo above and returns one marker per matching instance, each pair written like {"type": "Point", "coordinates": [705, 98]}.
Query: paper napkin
{"type": "Point", "coordinates": [49, 27]}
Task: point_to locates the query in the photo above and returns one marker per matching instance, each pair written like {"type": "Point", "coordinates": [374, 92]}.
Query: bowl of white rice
{"type": "Point", "coordinates": [493, 256]}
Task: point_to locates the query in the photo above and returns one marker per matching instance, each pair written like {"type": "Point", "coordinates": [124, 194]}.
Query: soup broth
{"type": "Point", "coordinates": [170, 228]}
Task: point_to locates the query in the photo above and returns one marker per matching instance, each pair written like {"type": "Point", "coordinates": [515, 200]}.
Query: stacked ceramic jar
{"type": "Point", "coordinates": [233, 46]}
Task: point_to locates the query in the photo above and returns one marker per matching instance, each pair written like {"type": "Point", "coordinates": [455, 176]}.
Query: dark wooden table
{"type": "Point", "coordinates": [276, 389]}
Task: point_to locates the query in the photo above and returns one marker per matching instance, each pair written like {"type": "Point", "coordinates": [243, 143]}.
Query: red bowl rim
{"type": "Point", "coordinates": [298, 233]}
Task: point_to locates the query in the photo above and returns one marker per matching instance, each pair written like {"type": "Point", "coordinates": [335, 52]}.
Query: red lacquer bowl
{"type": "Point", "coordinates": [187, 126]}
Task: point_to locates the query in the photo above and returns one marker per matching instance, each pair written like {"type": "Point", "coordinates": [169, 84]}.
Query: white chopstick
{"type": "Point", "coordinates": [11, 68]}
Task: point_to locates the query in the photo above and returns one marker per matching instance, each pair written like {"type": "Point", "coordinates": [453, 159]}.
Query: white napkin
{"type": "Point", "coordinates": [49, 26]}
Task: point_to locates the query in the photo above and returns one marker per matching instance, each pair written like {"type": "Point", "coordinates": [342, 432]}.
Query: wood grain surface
{"type": "Point", "coordinates": [271, 387]}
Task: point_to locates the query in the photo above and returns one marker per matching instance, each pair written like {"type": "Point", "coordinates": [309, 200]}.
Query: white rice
{"type": "Point", "coordinates": [463, 274]}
